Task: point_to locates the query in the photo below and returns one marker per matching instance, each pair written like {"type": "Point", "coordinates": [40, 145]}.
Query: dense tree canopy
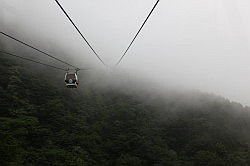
{"type": "Point", "coordinates": [43, 123]}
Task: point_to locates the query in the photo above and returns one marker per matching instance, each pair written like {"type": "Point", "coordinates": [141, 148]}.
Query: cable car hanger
{"type": "Point", "coordinates": [72, 82]}
{"type": "Point", "coordinates": [71, 78]}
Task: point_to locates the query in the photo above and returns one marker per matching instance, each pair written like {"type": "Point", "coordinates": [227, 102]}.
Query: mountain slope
{"type": "Point", "coordinates": [43, 123]}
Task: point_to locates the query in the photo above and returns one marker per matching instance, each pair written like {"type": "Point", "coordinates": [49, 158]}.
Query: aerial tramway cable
{"type": "Point", "coordinates": [11, 37]}
{"type": "Point", "coordinates": [75, 68]}
{"type": "Point", "coordinates": [119, 61]}
{"type": "Point", "coordinates": [137, 33]}
{"type": "Point", "coordinates": [31, 60]}
{"type": "Point", "coordinates": [80, 32]}
{"type": "Point", "coordinates": [71, 79]}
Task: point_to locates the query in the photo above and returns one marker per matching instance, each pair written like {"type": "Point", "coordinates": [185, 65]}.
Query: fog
{"type": "Point", "coordinates": [196, 44]}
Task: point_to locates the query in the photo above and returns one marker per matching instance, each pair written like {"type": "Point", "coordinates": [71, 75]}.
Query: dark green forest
{"type": "Point", "coordinates": [44, 124]}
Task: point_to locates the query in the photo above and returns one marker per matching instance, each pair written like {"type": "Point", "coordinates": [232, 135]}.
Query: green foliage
{"type": "Point", "coordinates": [42, 123]}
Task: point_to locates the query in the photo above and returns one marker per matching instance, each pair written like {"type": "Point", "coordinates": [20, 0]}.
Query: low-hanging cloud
{"type": "Point", "coordinates": [199, 44]}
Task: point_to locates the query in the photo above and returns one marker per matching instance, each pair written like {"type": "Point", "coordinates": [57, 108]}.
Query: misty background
{"type": "Point", "coordinates": [196, 44]}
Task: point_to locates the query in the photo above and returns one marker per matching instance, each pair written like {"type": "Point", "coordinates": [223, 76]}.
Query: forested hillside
{"type": "Point", "coordinates": [42, 123]}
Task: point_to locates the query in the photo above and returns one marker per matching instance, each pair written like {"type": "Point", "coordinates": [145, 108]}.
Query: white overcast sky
{"type": "Point", "coordinates": [200, 44]}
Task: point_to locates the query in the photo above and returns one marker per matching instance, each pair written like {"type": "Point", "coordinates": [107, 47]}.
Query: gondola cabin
{"type": "Point", "coordinates": [71, 80]}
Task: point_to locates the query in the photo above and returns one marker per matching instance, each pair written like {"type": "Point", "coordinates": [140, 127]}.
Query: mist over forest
{"type": "Point", "coordinates": [179, 98]}
{"type": "Point", "coordinates": [195, 44]}
{"type": "Point", "coordinates": [113, 120]}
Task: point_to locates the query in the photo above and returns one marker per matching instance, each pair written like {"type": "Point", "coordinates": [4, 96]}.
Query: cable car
{"type": "Point", "coordinates": [71, 80]}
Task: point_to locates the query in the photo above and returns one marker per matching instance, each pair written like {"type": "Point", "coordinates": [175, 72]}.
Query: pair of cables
{"type": "Point", "coordinates": [88, 43]}
{"type": "Point", "coordinates": [120, 60]}
{"type": "Point", "coordinates": [38, 50]}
